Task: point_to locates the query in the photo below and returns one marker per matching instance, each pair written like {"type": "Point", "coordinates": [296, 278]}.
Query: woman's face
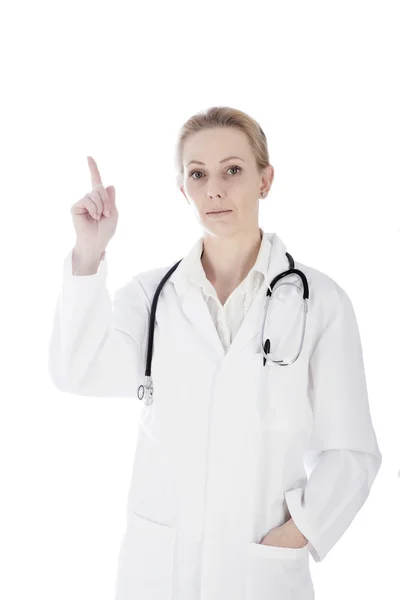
{"type": "Point", "coordinates": [233, 184]}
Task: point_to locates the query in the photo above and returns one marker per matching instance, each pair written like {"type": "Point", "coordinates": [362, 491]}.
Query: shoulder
{"type": "Point", "coordinates": [330, 308]}
{"type": "Point", "coordinates": [326, 293]}
{"type": "Point", "coordinates": [145, 283]}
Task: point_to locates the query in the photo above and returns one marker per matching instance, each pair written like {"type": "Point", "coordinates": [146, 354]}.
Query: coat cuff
{"type": "Point", "coordinates": [298, 513]}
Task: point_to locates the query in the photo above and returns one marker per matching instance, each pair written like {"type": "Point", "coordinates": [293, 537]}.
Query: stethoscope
{"type": "Point", "coordinates": [146, 391]}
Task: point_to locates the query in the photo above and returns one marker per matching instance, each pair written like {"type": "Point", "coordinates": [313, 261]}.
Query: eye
{"type": "Point", "coordinates": [231, 167]}
{"type": "Point", "coordinates": [235, 167]}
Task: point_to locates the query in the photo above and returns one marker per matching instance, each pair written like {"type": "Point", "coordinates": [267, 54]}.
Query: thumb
{"type": "Point", "coordinates": [111, 194]}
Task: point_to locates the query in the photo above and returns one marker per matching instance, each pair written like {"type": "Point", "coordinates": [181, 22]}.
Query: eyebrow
{"type": "Point", "coordinates": [221, 161]}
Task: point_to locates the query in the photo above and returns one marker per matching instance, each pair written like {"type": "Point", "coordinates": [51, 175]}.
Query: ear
{"type": "Point", "coordinates": [269, 176]}
{"type": "Point", "coordinates": [267, 179]}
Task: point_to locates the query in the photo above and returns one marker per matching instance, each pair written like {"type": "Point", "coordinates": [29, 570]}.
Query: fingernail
{"type": "Point", "coordinates": [107, 212]}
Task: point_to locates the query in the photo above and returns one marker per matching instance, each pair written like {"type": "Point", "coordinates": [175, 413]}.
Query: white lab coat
{"type": "Point", "coordinates": [229, 448]}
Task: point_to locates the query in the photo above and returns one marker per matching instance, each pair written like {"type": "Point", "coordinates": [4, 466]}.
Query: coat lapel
{"type": "Point", "coordinates": [253, 321]}
{"type": "Point", "coordinates": [196, 309]}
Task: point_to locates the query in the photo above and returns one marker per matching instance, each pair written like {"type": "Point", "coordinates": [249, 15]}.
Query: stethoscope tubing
{"type": "Point", "coordinates": [145, 391]}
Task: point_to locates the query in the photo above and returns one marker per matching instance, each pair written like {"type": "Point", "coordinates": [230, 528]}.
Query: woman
{"type": "Point", "coordinates": [242, 469]}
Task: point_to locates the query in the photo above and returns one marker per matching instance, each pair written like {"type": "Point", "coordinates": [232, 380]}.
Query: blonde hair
{"type": "Point", "coordinates": [223, 116]}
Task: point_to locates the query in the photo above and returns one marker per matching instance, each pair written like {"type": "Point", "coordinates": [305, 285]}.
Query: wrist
{"type": "Point", "coordinates": [85, 263]}
{"type": "Point", "coordinates": [291, 530]}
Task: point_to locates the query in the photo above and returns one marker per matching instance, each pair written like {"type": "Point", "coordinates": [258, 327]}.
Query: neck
{"type": "Point", "coordinates": [227, 260]}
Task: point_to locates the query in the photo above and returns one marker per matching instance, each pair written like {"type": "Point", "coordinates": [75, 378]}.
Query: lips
{"type": "Point", "coordinates": [218, 211]}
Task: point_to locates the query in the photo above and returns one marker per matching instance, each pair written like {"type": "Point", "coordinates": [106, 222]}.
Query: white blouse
{"type": "Point", "coordinates": [228, 317]}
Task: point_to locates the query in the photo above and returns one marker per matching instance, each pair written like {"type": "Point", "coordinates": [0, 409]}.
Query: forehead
{"type": "Point", "coordinates": [212, 145]}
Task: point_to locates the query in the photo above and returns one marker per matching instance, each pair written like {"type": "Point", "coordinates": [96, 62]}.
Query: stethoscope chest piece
{"type": "Point", "coordinates": [145, 392]}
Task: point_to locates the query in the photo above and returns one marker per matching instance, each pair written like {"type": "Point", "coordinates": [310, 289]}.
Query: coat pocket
{"type": "Point", "coordinates": [145, 563]}
{"type": "Point", "coordinates": [282, 400]}
{"type": "Point", "coordinates": [279, 573]}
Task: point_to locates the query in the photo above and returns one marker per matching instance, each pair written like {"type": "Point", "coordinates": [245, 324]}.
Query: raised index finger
{"type": "Point", "coordinates": [94, 172]}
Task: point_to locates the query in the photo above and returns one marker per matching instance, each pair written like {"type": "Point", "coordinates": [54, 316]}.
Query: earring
{"type": "Point", "coordinates": [262, 194]}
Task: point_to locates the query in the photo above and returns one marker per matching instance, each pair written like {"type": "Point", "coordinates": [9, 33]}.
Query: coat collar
{"type": "Point", "coordinates": [271, 261]}
{"type": "Point", "coordinates": [191, 270]}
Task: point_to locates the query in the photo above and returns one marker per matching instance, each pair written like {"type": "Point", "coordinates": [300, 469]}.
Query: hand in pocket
{"type": "Point", "coordinates": [286, 536]}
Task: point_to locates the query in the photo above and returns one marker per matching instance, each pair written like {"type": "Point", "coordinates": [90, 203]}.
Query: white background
{"type": "Point", "coordinates": [116, 81]}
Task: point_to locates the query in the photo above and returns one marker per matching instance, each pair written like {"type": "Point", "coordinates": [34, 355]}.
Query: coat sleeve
{"type": "Point", "coordinates": [96, 344]}
{"type": "Point", "coordinates": [343, 455]}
